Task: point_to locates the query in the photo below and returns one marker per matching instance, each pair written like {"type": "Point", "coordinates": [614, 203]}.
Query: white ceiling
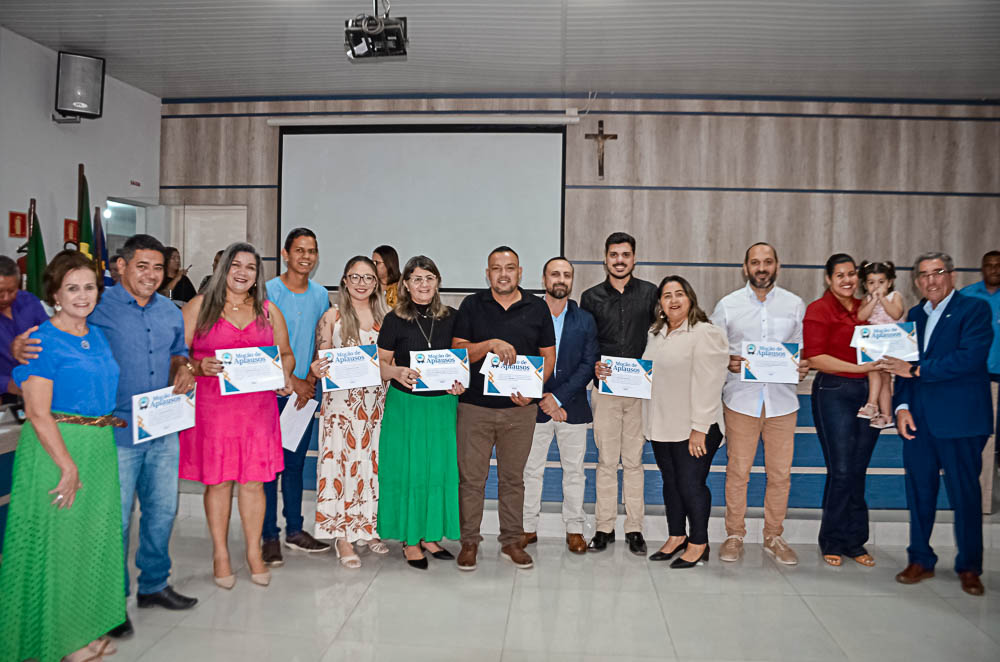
{"type": "Point", "coordinates": [939, 49]}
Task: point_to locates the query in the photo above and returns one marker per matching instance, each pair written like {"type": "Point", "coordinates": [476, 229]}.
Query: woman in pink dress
{"type": "Point", "coordinates": [347, 472]}
{"type": "Point", "coordinates": [236, 438]}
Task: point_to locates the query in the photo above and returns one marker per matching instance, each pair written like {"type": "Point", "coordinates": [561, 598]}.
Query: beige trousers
{"type": "Point", "coordinates": [742, 434]}
{"type": "Point", "coordinates": [618, 435]}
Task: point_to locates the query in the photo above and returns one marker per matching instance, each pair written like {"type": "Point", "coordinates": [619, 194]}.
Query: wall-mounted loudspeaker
{"type": "Point", "coordinates": [80, 85]}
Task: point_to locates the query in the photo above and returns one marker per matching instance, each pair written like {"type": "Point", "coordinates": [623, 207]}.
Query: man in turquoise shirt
{"type": "Point", "coordinates": [989, 290]}
{"type": "Point", "coordinates": [302, 302]}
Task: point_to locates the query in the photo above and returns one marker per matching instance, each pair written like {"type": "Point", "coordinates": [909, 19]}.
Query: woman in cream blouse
{"type": "Point", "coordinates": [690, 358]}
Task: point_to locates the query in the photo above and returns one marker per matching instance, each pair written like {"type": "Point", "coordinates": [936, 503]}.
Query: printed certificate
{"type": "Point", "coordinates": [351, 367]}
{"type": "Point", "coordinates": [250, 369]}
{"type": "Point", "coordinates": [161, 412]}
{"type": "Point", "coordinates": [440, 368]}
{"type": "Point", "coordinates": [630, 378]}
{"type": "Point", "coordinates": [524, 376]}
{"type": "Point", "coordinates": [874, 341]}
{"type": "Point", "coordinates": [770, 362]}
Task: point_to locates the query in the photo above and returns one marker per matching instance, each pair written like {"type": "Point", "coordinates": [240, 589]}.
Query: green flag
{"type": "Point", "coordinates": [36, 259]}
{"type": "Point", "coordinates": [83, 217]}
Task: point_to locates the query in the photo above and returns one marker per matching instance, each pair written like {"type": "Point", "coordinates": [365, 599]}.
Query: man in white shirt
{"type": "Point", "coordinates": [759, 312]}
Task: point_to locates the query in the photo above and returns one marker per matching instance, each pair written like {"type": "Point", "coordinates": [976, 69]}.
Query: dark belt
{"type": "Point", "coordinates": [97, 421]}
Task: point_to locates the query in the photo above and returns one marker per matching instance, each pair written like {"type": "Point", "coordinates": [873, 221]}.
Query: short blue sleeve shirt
{"type": "Point", "coordinates": [82, 369]}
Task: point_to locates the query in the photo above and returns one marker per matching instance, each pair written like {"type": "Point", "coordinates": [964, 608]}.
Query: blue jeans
{"type": "Point", "coordinates": [847, 442]}
{"type": "Point", "coordinates": [149, 471]}
{"type": "Point", "coordinates": [291, 487]}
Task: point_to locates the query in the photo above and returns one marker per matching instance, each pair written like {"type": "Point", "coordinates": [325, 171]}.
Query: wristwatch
{"type": "Point", "coordinates": [913, 370]}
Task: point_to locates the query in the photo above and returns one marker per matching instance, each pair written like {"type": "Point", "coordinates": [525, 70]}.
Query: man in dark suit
{"type": "Point", "coordinates": [564, 410]}
{"type": "Point", "coordinates": [944, 413]}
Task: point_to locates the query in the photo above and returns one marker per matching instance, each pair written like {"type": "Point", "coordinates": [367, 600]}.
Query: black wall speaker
{"type": "Point", "coordinates": [80, 85]}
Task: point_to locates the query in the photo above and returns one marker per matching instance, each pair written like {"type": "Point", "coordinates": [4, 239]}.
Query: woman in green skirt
{"type": "Point", "coordinates": [418, 464]}
{"type": "Point", "coordinates": [62, 576]}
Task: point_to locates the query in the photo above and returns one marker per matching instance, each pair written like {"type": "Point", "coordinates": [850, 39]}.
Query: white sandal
{"type": "Point", "coordinates": [377, 546]}
{"type": "Point", "coordinates": [352, 561]}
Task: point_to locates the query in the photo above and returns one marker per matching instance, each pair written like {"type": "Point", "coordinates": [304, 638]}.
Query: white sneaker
{"type": "Point", "coordinates": [732, 549]}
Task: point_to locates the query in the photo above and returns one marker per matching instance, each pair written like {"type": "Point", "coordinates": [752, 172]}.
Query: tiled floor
{"type": "Point", "coordinates": [609, 606]}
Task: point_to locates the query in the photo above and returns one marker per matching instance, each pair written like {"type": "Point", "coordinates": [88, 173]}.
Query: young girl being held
{"type": "Point", "coordinates": [882, 305]}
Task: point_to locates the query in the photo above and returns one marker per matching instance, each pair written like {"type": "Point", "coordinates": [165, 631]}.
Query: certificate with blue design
{"type": "Point", "coordinates": [250, 369]}
{"type": "Point", "coordinates": [524, 376]}
{"type": "Point", "coordinates": [161, 412]}
{"type": "Point", "coordinates": [770, 362]}
{"type": "Point", "coordinates": [874, 341]}
{"type": "Point", "coordinates": [630, 378]}
{"type": "Point", "coordinates": [351, 367]}
{"type": "Point", "coordinates": [440, 368]}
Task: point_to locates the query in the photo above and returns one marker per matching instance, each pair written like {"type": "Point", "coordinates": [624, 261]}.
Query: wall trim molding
{"type": "Point", "coordinates": [747, 189]}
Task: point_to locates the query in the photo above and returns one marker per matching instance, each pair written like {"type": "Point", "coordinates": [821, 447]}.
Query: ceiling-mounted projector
{"type": "Point", "coordinates": [375, 38]}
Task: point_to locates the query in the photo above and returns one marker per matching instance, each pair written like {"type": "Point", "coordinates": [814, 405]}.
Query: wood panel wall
{"type": "Point", "coordinates": [696, 181]}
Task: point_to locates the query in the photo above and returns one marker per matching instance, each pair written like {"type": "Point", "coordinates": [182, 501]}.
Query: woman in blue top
{"type": "Point", "coordinates": [62, 577]}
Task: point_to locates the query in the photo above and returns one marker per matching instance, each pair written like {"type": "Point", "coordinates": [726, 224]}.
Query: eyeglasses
{"type": "Point", "coordinates": [420, 280]}
{"type": "Point", "coordinates": [367, 279]}
{"type": "Point", "coordinates": [937, 273]}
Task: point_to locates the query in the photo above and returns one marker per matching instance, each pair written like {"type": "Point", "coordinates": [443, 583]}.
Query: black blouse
{"type": "Point", "coordinates": [401, 337]}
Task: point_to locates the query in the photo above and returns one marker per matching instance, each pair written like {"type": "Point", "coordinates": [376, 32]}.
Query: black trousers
{"type": "Point", "coordinates": [685, 492]}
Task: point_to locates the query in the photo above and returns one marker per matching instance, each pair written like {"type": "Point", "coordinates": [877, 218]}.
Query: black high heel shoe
{"type": "Point", "coordinates": [441, 555]}
{"type": "Point", "coordinates": [681, 563]}
{"type": "Point", "coordinates": [666, 556]}
{"type": "Point", "coordinates": [419, 564]}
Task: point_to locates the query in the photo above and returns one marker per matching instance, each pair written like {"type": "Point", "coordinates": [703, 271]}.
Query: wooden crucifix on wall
{"type": "Point", "coordinates": [600, 137]}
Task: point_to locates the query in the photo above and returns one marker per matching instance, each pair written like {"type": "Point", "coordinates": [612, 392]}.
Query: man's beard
{"type": "Point", "coordinates": [615, 274]}
{"type": "Point", "coordinates": [559, 291]}
{"type": "Point", "coordinates": [763, 281]}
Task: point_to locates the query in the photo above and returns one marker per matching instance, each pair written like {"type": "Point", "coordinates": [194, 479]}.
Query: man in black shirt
{"type": "Point", "coordinates": [623, 308]}
{"type": "Point", "coordinates": [507, 321]}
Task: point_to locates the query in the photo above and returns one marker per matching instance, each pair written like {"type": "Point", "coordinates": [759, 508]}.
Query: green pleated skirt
{"type": "Point", "coordinates": [418, 468]}
{"type": "Point", "coordinates": [62, 576]}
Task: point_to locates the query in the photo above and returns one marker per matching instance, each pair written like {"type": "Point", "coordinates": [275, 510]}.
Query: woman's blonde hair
{"type": "Point", "coordinates": [350, 325]}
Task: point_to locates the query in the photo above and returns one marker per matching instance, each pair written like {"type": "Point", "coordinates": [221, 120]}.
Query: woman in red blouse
{"type": "Point", "coordinates": [840, 388]}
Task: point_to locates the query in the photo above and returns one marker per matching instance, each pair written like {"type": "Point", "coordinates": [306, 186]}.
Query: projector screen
{"type": "Point", "coordinates": [452, 193]}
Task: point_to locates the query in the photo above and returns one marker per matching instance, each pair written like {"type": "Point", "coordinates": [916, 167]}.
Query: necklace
{"type": "Point", "coordinates": [236, 306]}
{"type": "Point", "coordinates": [427, 336]}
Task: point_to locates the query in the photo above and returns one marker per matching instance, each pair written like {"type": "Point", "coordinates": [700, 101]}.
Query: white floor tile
{"type": "Point", "coordinates": [747, 627]}
{"type": "Point", "coordinates": [341, 651]}
{"type": "Point", "coordinates": [754, 573]}
{"type": "Point", "coordinates": [593, 622]}
{"type": "Point", "coordinates": [903, 629]}
{"type": "Point", "coordinates": [194, 644]}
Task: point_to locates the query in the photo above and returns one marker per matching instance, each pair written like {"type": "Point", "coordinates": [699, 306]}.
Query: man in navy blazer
{"type": "Point", "coordinates": [564, 410]}
{"type": "Point", "coordinates": [945, 415]}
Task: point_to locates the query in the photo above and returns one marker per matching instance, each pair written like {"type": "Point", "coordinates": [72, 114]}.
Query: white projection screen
{"type": "Point", "coordinates": [452, 193]}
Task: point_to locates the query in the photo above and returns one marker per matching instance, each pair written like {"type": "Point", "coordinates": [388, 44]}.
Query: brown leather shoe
{"type": "Point", "coordinates": [467, 557]}
{"type": "Point", "coordinates": [913, 574]}
{"type": "Point", "coordinates": [576, 543]}
{"type": "Point", "coordinates": [516, 555]}
{"type": "Point", "coordinates": [528, 538]}
{"type": "Point", "coordinates": [971, 583]}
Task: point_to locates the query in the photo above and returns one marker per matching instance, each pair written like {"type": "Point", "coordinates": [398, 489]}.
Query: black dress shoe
{"type": "Point", "coordinates": [168, 598]}
{"type": "Point", "coordinates": [636, 543]}
{"type": "Point", "coordinates": [123, 630]}
{"type": "Point", "coordinates": [666, 556]}
{"type": "Point", "coordinates": [681, 563]}
{"type": "Point", "coordinates": [600, 541]}
{"type": "Point", "coordinates": [442, 554]}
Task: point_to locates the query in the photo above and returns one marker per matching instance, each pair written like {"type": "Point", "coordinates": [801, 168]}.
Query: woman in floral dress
{"type": "Point", "coordinates": [347, 472]}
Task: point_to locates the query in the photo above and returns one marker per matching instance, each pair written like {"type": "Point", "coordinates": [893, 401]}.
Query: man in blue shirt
{"type": "Point", "coordinates": [302, 302]}
{"type": "Point", "coordinates": [19, 311]}
{"type": "Point", "coordinates": [146, 334]}
{"type": "Point", "coordinates": [988, 289]}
